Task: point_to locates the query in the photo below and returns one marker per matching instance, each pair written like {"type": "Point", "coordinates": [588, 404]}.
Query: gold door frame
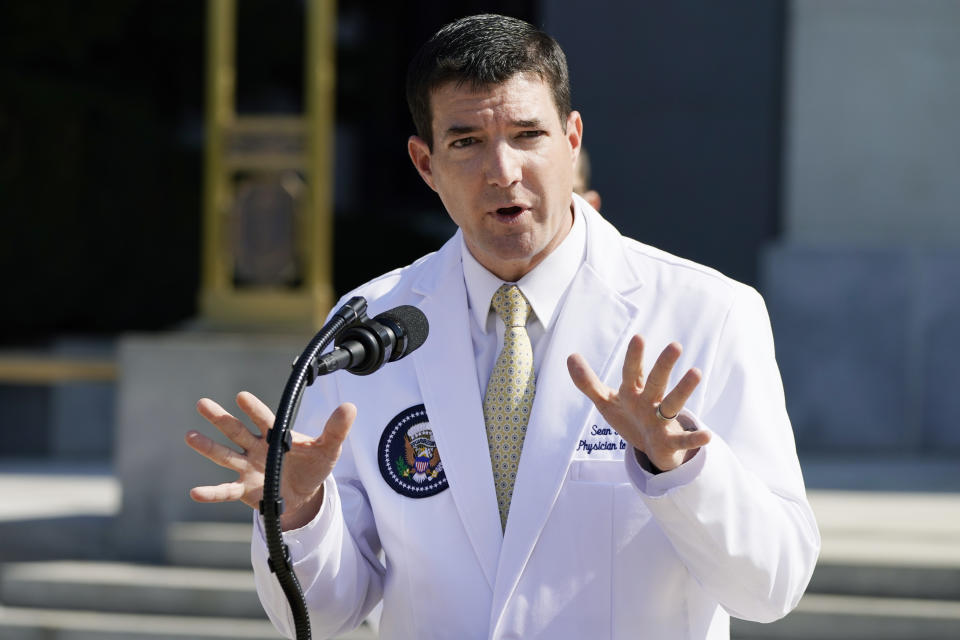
{"type": "Point", "coordinates": [305, 305]}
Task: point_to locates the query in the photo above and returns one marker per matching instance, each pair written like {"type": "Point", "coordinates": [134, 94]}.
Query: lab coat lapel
{"type": "Point", "coordinates": [448, 381]}
{"type": "Point", "coordinates": [595, 320]}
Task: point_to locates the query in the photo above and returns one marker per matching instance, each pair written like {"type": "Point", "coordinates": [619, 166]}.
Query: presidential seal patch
{"type": "Point", "coordinates": [408, 456]}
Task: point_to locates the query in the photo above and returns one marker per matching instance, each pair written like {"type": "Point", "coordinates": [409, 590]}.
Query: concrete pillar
{"type": "Point", "coordinates": [161, 379]}
{"type": "Point", "coordinates": [862, 288]}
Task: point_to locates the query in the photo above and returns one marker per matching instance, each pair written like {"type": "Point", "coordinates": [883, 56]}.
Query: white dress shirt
{"type": "Point", "coordinates": [544, 287]}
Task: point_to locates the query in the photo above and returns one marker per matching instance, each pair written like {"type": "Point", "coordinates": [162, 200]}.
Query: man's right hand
{"type": "Point", "coordinates": [305, 466]}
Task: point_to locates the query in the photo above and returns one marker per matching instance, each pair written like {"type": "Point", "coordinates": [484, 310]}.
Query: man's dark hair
{"type": "Point", "coordinates": [484, 50]}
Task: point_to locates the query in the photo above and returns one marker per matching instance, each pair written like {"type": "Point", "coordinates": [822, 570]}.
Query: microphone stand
{"type": "Point", "coordinates": [305, 372]}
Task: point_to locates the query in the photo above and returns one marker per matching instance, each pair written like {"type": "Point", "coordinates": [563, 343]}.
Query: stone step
{"type": "Point", "coordinates": [898, 545]}
{"type": "Point", "coordinates": [18, 623]}
{"type": "Point", "coordinates": [896, 562]}
{"type": "Point", "coordinates": [887, 515]}
{"type": "Point", "coordinates": [130, 588]}
{"type": "Point", "coordinates": [209, 544]}
{"type": "Point", "coordinates": [888, 581]}
{"type": "Point", "coordinates": [834, 617]}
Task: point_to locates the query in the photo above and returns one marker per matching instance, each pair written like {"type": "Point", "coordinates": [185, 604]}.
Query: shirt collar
{"type": "Point", "coordinates": [543, 287]}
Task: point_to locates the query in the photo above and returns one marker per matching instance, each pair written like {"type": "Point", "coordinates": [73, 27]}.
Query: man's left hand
{"type": "Point", "coordinates": [641, 410]}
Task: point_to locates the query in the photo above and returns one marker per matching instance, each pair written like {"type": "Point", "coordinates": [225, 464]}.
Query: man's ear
{"type": "Point", "coordinates": [575, 133]}
{"type": "Point", "coordinates": [419, 152]}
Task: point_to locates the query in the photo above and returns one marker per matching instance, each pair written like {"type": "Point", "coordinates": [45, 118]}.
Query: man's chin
{"type": "Point", "coordinates": [512, 261]}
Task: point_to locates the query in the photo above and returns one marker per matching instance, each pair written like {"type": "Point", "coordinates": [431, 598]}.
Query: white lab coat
{"type": "Point", "coordinates": [595, 547]}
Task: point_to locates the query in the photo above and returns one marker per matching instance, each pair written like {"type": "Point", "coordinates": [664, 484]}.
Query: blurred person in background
{"type": "Point", "coordinates": [581, 180]}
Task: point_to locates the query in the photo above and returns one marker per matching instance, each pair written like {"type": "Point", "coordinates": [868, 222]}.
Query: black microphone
{"type": "Point", "coordinates": [367, 346]}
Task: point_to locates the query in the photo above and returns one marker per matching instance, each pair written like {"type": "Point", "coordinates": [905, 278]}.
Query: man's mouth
{"type": "Point", "coordinates": [509, 212]}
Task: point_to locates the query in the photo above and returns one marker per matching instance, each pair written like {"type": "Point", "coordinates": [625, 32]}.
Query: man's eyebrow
{"type": "Point", "coordinates": [528, 124]}
{"type": "Point", "coordinates": [458, 130]}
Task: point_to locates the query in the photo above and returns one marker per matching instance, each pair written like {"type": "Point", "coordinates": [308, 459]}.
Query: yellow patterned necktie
{"type": "Point", "coordinates": [509, 396]}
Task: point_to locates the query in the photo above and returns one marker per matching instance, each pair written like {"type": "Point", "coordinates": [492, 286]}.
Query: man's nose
{"type": "Point", "coordinates": [504, 165]}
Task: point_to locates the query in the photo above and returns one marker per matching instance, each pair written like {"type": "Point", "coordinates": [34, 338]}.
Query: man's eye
{"type": "Point", "coordinates": [534, 133]}
{"type": "Point", "coordinates": [462, 142]}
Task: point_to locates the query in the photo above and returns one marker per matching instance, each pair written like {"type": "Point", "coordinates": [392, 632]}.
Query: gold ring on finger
{"type": "Point", "coordinates": [663, 417]}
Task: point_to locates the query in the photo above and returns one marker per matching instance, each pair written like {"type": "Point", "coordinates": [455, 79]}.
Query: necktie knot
{"type": "Point", "coordinates": [511, 305]}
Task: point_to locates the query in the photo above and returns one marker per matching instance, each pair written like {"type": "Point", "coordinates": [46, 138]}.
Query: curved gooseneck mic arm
{"type": "Point", "coordinates": [305, 371]}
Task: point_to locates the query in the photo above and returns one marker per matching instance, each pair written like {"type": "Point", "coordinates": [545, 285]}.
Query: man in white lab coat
{"type": "Point", "coordinates": [655, 489]}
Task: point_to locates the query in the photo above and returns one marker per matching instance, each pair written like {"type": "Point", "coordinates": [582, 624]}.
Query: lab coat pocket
{"type": "Point", "coordinates": [628, 514]}
{"type": "Point", "coordinates": [569, 572]}
{"type": "Point", "coordinates": [611, 472]}
{"type": "Point", "coordinates": [633, 540]}
{"type": "Point", "coordinates": [649, 583]}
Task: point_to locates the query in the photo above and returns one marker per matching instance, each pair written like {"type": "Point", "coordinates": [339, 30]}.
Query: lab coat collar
{"type": "Point", "coordinates": [448, 382]}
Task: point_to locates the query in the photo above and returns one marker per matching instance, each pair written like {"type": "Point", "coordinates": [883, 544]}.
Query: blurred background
{"type": "Point", "coordinates": [187, 186]}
